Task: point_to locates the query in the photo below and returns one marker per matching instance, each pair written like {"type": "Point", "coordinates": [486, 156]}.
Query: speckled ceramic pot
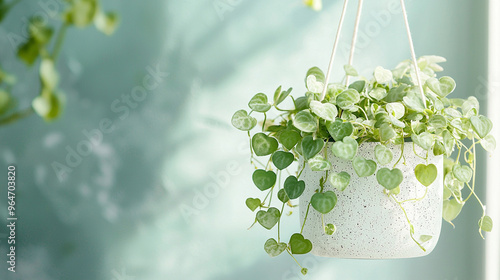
{"type": "Point", "coordinates": [369, 224]}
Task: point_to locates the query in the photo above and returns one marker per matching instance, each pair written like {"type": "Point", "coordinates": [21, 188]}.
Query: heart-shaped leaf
{"type": "Point", "coordinates": [489, 143]}
{"type": "Point", "coordinates": [382, 76]}
{"type": "Point", "coordinates": [424, 140]}
{"type": "Point", "coordinates": [389, 179]}
{"type": "Point", "coordinates": [426, 174]}
{"type": "Point", "coordinates": [345, 149]}
{"type": "Point", "coordinates": [282, 159]}
{"type": "Point", "coordinates": [264, 179]}
{"type": "Point", "coordinates": [347, 98]}
{"type": "Point", "coordinates": [350, 70]}
{"type": "Point", "coordinates": [318, 163]}
{"type": "Point", "coordinates": [449, 142]}
{"type": "Point", "coordinates": [364, 167]}
{"type": "Point", "coordinates": [383, 154]}
{"type": "Point", "coordinates": [293, 187]}
{"type": "Point", "coordinates": [264, 145]}
{"type": "Point", "coordinates": [339, 129]}
{"type": "Point", "coordinates": [289, 138]}
{"type": "Point", "coordinates": [442, 87]}
{"type": "Point", "coordinates": [242, 121]}
{"type": "Point", "coordinates": [326, 111]}
{"type": "Point", "coordinates": [311, 147]}
{"type": "Point", "coordinates": [324, 202]}
{"type": "Point", "coordinates": [451, 209]}
{"type": "Point", "coordinates": [282, 196]}
{"type": "Point", "coordinates": [386, 132]}
{"type": "Point", "coordinates": [305, 121]}
{"type": "Point", "coordinates": [268, 219]}
{"type": "Point", "coordinates": [253, 203]}
{"type": "Point", "coordinates": [395, 109]}
{"type": "Point", "coordinates": [300, 245]}
{"type": "Point", "coordinates": [462, 172]}
{"type": "Point", "coordinates": [486, 223]}
{"type": "Point", "coordinates": [340, 181]}
{"type": "Point", "coordinates": [359, 86]}
{"type": "Point", "coordinates": [259, 103]}
{"type": "Point", "coordinates": [329, 229]}
{"type": "Point", "coordinates": [414, 102]}
{"type": "Point", "coordinates": [273, 248]}
{"type": "Point", "coordinates": [378, 93]}
{"type": "Point", "coordinates": [437, 121]}
{"type": "Point", "coordinates": [481, 125]}
{"type": "Point", "coordinates": [280, 96]}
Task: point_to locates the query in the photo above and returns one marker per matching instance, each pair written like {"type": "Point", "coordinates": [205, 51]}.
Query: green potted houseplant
{"type": "Point", "coordinates": [382, 153]}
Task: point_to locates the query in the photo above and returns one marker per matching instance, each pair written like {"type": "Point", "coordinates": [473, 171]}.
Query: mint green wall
{"type": "Point", "coordinates": [121, 209]}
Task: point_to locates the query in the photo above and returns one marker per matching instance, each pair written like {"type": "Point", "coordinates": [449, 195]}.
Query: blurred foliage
{"type": "Point", "coordinates": [49, 103]}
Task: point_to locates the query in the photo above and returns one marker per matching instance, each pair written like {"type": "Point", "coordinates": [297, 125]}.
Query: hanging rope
{"type": "Point", "coordinates": [354, 37]}
{"type": "Point", "coordinates": [412, 49]}
{"type": "Point", "coordinates": [334, 50]}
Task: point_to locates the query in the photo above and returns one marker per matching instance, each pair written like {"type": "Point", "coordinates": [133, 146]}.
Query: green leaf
{"type": "Point", "coordinates": [253, 203]}
{"type": "Point", "coordinates": [339, 129]}
{"type": "Point", "coordinates": [268, 219]}
{"type": "Point", "coordinates": [470, 107]}
{"type": "Point", "coordinates": [282, 196]}
{"type": "Point", "coordinates": [329, 229]}
{"type": "Point", "coordinates": [424, 140]}
{"type": "Point", "coordinates": [389, 179]}
{"type": "Point", "coordinates": [414, 102]}
{"type": "Point", "coordinates": [293, 187]}
{"type": "Point", "coordinates": [316, 73]}
{"type": "Point", "coordinates": [425, 238]}
{"type": "Point", "coordinates": [289, 138]}
{"type": "Point", "coordinates": [273, 248]}
{"type": "Point", "coordinates": [48, 74]}
{"type": "Point", "coordinates": [47, 105]}
{"type": "Point", "coordinates": [396, 94]}
{"type": "Point", "coordinates": [378, 93]}
{"type": "Point", "coordinates": [300, 245]}
{"type": "Point", "coordinates": [301, 103]}
{"type": "Point", "coordinates": [324, 202]}
{"type": "Point", "coordinates": [280, 96]}
{"type": "Point", "coordinates": [318, 163]}
{"type": "Point", "coordinates": [437, 121]}
{"type": "Point", "coordinates": [481, 125]}
{"type": "Point", "coordinates": [489, 143]}
{"type": "Point", "coordinates": [350, 70]}
{"type": "Point", "coordinates": [486, 223]}
{"type": "Point", "coordinates": [29, 51]}
{"type": "Point", "coordinates": [462, 172]}
{"type": "Point", "coordinates": [395, 109]}
{"type": "Point", "coordinates": [282, 159]}
{"type": "Point", "coordinates": [106, 22]}
{"type": "Point", "coordinates": [340, 181]}
{"type": "Point", "coordinates": [305, 121]}
{"type": "Point", "coordinates": [383, 154]}
{"type": "Point", "coordinates": [263, 179]}
{"type": "Point", "coordinates": [442, 87]}
{"type": "Point", "coordinates": [242, 121]}
{"type": "Point", "coordinates": [386, 132]}
{"type": "Point", "coordinates": [359, 86]}
{"type": "Point", "coordinates": [345, 149]}
{"type": "Point", "coordinates": [438, 148]}
{"type": "Point", "coordinates": [264, 145]}
{"type": "Point", "coordinates": [348, 98]}
{"type": "Point", "coordinates": [311, 147]}
{"type": "Point", "coordinates": [81, 13]}
{"type": "Point", "coordinates": [426, 174]}
{"type": "Point", "coordinates": [364, 167]}
{"type": "Point", "coordinates": [259, 103]}
{"type": "Point", "coordinates": [382, 76]}
{"type": "Point", "coordinates": [5, 101]}
{"type": "Point", "coordinates": [451, 209]}
{"type": "Point", "coordinates": [326, 111]}
{"type": "Point", "coordinates": [449, 142]}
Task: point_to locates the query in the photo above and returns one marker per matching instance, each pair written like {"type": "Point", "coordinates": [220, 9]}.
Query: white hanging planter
{"type": "Point", "coordinates": [370, 224]}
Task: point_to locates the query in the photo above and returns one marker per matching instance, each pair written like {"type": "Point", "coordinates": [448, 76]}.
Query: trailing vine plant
{"type": "Point", "coordinates": [388, 109]}
{"type": "Point", "coordinates": [44, 45]}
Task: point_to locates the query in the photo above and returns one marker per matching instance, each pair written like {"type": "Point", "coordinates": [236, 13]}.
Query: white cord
{"type": "Point", "coordinates": [334, 50]}
{"type": "Point", "coordinates": [417, 72]}
{"type": "Point", "coordinates": [354, 37]}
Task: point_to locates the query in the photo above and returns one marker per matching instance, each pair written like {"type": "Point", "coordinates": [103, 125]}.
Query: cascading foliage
{"type": "Point", "coordinates": [388, 109]}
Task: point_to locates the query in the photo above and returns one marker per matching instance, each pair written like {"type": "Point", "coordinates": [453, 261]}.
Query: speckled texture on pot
{"type": "Point", "coordinates": [369, 224]}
